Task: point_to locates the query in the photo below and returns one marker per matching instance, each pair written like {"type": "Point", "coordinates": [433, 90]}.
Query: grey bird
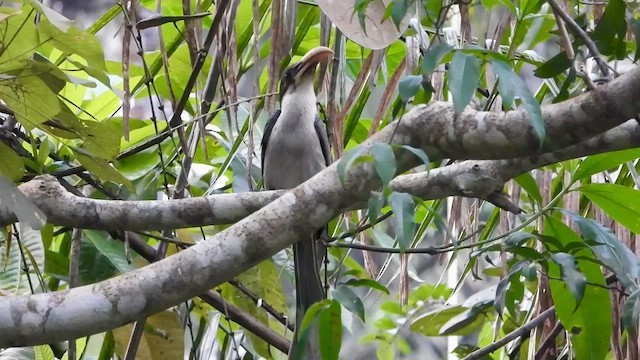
{"type": "Point", "coordinates": [294, 149]}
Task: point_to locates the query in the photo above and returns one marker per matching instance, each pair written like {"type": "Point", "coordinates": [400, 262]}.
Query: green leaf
{"type": "Point", "coordinates": [370, 283]}
{"type": "Point", "coordinates": [464, 75]}
{"type": "Point", "coordinates": [392, 307]}
{"type": "Point", "coordinates": [609, 250]}
{"type": "Point", "coordinates": [430, 323]}
{"type": "Point", "coordinates": [30, 98]}
{"type": "Point", "coordinates": [263, 281]}
{"type": "Point", "coordinates": [590, 320]}
{"type": "Point", "coordinates": [419, 153]}
{"type": "Point", "coordinates": [631, 312]}
{"type": "Point", "coordinates": [503, 286]}
{"type": "Point", "coordinates": [349, 300]}
{"type": "Point", "coordinates": [375, 203]}
{"type": "Point", "coordinates": [409, 86]}
{"type": "Point", "coordinates": [74, 41]}
{"type": "Point", "coordinates": [330, 331]}
{"type": "Point", "coordinates": [57, 19]}
{"type": "Point", "coordinates": [620, 202]}
{"type": "Point", "coordinates": [554, 66]}
{"type": "Point", "coordinates": [11, 165]}
{"type": "Point", "coordinates": [14, 199]}
{"type": "Point", "coordinates": [355, 115]}
{"type": "Point", "coordinates": [385, 323]}
{"type": "Point", "coordinates": [602, 162]}
{"type": "Point", "coordinates": [609, 34]}
{"type": "Point", "coordinates": [102, 169]}
{"type": "Point", "coordinates": [433, 57]}
{"type": "Point", "coordinates": [20, 38]}
{"type": "Point", "coordinates": [347, 160]}
{"type": "Point", "coordinates": [468, 322]}
{"type": "Point", "coordinates": [403, 208]}
{"type": "Point", "coordinates": [158, 20]}
{"type": "Point", "coordinates": [572, 277]}
{"type": "Point", "coordinates": [399, 10]}
{"type": "Point", "coordinates": [528, 183]}
{"type": "Point", "coordinates": [385, 162]}
{"type": "Point", "coordinates": [511, 85]}
{"type": "Point", "coordinates": [113, 251]}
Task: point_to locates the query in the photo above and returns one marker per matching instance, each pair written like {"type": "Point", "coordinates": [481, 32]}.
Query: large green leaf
{"type": "Point", "coordinates": [574, 280]}
{"type": "Point", "coordinates": [620, 202]}
{"type": "Point", "coordinates": [102, 169]}
{"type": "Point", "coordinates": [601, 162]}
{"type": "Point", "coordinates": [554, 66]}
{"type": "Point", "coordinates": [74, 41]}
{"type": "Point", "coordinates": [19, 38]}
{"type": "Point", "coordinates": [30, 98]}
{"type": "Point", "coordinates": [330, 331]}
{"type": "Point", "coordinates": [112, 250]}
{"type": "Point", "coordinates": [609, 250]}
{"type": "Point", "coordinates": [589, 320]}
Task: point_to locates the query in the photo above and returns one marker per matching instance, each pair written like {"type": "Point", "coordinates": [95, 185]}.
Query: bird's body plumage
{"type": "Point", "coordinates": [294, 144]}
{"type": "Point", "coordinates": [294, 149]}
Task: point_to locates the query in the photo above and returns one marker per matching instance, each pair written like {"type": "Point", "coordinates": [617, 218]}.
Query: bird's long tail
{"type": "Point", "coordinates": [307, 258]}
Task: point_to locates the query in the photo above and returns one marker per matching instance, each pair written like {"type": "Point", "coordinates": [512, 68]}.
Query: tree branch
{"type": "Point", "coordinates": [435, 128]}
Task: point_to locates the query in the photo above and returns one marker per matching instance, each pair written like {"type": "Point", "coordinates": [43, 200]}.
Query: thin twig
{"type": "Point", "coordinates": [521, 331]}
{"type": "Point", "coordinates": [578, 31]}
{"type": "Point", "coordinates": [270, 309]}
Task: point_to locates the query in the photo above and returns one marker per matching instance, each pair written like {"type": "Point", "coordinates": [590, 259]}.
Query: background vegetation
{"type": "Point", "coordinates": [180, 114]}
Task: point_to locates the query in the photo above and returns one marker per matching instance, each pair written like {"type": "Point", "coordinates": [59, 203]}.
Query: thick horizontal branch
{"type": "Point", "coordinates": [485, 178]}
{"type": "Point", "coordinates": [51, 317]}
{"type": "Point", "coordinates": [66, 209]}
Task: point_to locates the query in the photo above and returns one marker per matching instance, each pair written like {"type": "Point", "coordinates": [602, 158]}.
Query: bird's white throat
{"type": "Point", "coordinates": [299, 107]}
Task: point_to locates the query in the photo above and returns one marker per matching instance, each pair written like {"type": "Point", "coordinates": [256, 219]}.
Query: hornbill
{"type": "Point", "coordinates": [295, 148]}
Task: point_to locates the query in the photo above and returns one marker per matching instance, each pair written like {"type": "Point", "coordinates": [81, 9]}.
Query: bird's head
{"type": "Point", "coordinates": [301, 74]}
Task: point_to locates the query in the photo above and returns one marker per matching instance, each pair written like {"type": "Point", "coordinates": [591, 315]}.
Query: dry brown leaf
{"type": "Point", "coordinates": [379, 34]}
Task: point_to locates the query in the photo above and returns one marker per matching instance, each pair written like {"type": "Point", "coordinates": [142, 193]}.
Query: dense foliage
{"type": "Point", "coordinates": [181, 114]}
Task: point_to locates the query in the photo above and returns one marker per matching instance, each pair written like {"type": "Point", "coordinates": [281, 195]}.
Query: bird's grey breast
{"type": "Point", "coordinates": [294, 153]}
